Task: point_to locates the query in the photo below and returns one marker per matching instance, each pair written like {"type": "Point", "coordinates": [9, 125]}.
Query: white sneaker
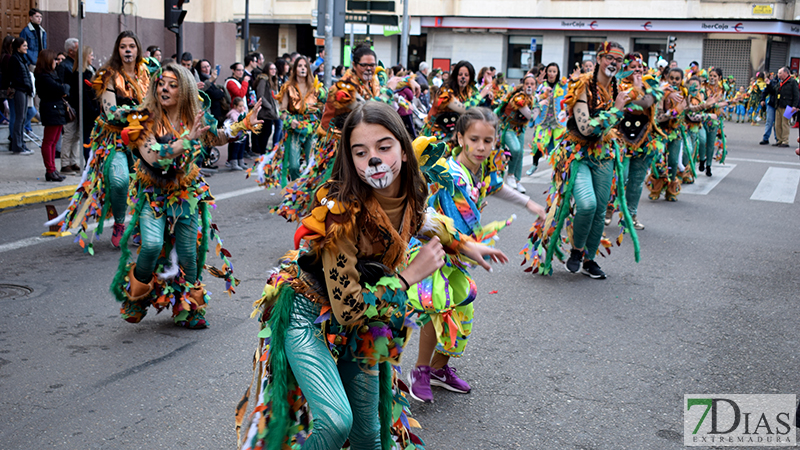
{"type": "Point", "coordinates": [521, 188]}
{"type": "Point", "coordinates": [511, 182]}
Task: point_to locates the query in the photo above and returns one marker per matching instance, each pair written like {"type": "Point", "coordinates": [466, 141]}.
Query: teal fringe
{"type": "Point", "coordinates": [385, 409]}
{"type": "Point", "coordinates": [107, 190]}
{"type": "Point", "coordinates": [117, 286]}
{"type": "Point", "coordinates": [623, 204]}
{"type": "Point", "coordinates": [202, 252]}
{"type": "Point", "coordinates": [555, 240]}
{"type": "Point", "coordinates": [279, 323]}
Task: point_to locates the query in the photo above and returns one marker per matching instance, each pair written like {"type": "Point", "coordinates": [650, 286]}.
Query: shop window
{"type": "Point", "coordinates": [520, 58]}
{"type": "Point", "coordinates": [651, 49]}
{"type": "Point", "coordinates": [730, 55]}
{"type": "Point", "coordinates": [582, 48]}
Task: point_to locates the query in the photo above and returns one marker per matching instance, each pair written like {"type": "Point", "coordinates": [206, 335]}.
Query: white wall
{"type": "Point", "coordinates": [688, 48]}
{"type": "Point", "coordinates": [481, 49]}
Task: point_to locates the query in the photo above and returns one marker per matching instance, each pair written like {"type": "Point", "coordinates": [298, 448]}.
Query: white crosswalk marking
{"type": "Point", "coordinates": [703, 185]}
{"type": "Point", "coordinates": [541, 176]}
{"type": "Point", "coordinates": [778, 185]}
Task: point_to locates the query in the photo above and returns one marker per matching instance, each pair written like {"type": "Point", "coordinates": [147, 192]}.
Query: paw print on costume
{"type": "Point", "coordinates": [341, 260]}
{"type": "Point", "coordinates": [334, 274]}
{"type": "Point", "coordinates": [350, 301]}
{"type": "Point", "coordinates": [344, 281]}
{"type": "Point", "coordinates": [337, 293]}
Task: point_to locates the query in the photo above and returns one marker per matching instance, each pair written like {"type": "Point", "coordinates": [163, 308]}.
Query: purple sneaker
{"type": "Point", "coordinates": [419, 381]}
{"type": "Point", "coordinates": [446, 378]}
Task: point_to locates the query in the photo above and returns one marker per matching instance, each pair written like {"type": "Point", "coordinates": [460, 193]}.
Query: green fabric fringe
{"type": "Point", "coordinates": [117, 286]}
{"type": "Point", "coordinates": [279, 323]}
{"type": "Point", "coordinates": [385, 405]}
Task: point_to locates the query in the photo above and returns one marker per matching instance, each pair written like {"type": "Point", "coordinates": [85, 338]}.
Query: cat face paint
{"type": "Point", "coordinates": [377, 155]}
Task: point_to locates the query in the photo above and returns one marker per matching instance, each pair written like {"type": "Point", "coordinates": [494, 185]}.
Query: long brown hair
{"type": "Point", "coordinates": [348, 187]}
{"type": "Point", "coordinates": [44, 63]}
{"type": "Point", "coordinates": [309, 77]}
{"type": "Point", "coordinates": [115, 62]}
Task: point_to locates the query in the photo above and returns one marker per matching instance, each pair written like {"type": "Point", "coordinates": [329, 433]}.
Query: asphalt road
{"type": "Point", "coordinates": [560, 362]}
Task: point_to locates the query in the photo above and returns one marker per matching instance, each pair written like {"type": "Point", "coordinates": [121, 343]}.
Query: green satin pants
{"type": "Point", "coordinates": [673, 153]}
{"type": "Point", "coordinates": [591, 193]}
{"type": "Point", "coordinates": [343, 398]}
{"type": "Point", "coordinates": [707, 151]}
{"type": "Point", "coordinates": [152, 231]}
{"type": "Point", "coordinates": [698, 139]}
{"type": "Point", "coordinates": [514, 143]}
{"type": "Point", "coordinates": [118, 185]}
{"type": "Point", "coordinates": [293, 146]}
{"type": "Point", "coordinates": [635, 168]}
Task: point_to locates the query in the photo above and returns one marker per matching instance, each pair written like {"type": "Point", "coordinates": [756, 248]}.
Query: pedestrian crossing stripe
{"type": "Point", "coordinates": [703, 185]}
{"type": "Point", "coordinates": [777, 185]}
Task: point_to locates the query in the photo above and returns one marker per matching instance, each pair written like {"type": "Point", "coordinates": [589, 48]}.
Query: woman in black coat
{"type": "Point", "coordinates": [20, 83]}
{"type": "Point", "coordinates": [52, 109]}
{"type": "Point", "coordinates": [90, 104]}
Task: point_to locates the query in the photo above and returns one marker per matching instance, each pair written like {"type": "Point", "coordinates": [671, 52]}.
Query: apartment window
{"type": "Point", "coordinates": [520, 58]}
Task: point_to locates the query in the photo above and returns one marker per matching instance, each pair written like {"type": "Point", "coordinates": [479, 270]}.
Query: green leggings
{"type": "Point", "coordinates": [707, 151]}
{"type": "Point", "coordinates": [291, 154]}
{"type": "Point", "coordinates": [698, 139]}
{"type": "Point", "coordinates": [514, 143]}
{"type": "Point", "coordinates": [120, 178]}
{"type": "Point", "coordinates": [343, 397]}
{"type": "Point", "coordinates": [635, 168]}
{"type": "Point", "coordinates": [152, 230]}
{"type": "Point", "coordinates": [673, 154]}
{"type": "Point", "coordinates": [591, 192]}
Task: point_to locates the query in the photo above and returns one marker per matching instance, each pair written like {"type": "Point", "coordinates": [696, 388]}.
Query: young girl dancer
{"type": "Point", "coordinates": [444, 300]}
{"type": "Point", "coordinates": [334, 314]}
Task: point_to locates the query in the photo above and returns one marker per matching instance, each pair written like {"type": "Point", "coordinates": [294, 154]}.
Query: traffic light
{"type": "Point", "coordinates": [240, 30]}
{"type": "Point", "coordinates": [671, 40]}
{"type": "Point", "coordinates": [174, 14]}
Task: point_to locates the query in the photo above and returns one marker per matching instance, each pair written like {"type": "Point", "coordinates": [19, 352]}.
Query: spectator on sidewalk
{"type": "Point", "coordinates": [23, 89]}
{"type": "Point", "coordinates": [236, 148]}
{"type": "Point", "coordinates": [34, 35]}
{"type": "Point", "coordinates": [769, 98]}
{"type": "Point", "coordinates": [70, 142]}
{"type": "Point", "coordinates": [208, 77]}
{"type": "Point", "coordinates": [188, 64]}
{"type": "Point", "coordinates": [155, 52]}
{"type": "Point", "coordinates": [90, 104]}
{"type": "Point", "coordinates": [52, 108]}
{"type": "Point", "coordinates": [266, 90]}
{"type": "Point", "coordinates": [788, 96]}
{"type": "Point", "coordinates": [422, 75]}
{"type": "Point", "coordinates": [6, 101]}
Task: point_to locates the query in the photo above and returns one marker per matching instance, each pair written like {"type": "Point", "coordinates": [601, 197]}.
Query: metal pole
{"type": "Point", "coordinates": [246, 29]}
{"type": "Point", "coordinates": [328, 43]}
{"type": "Point", "coordinates": [352, 44]}
{"type": "Point", "coordinates": [404, 36]}
{"type": "Point", "coordinates": [79, 70]}
{"type": "Point", "coordinates": [179, 42]}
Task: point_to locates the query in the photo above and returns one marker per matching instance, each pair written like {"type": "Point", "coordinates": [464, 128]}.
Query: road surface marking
{"type": "Point", "coordinates": [764, 161]}
{"type": "Point", "coordinates": [27, 242]}
{"type": "Point", "coordinates": [703, 185]}
{"type": "Point", "coordinates": [542, 176]}
{"type": "Point", "coordinates": [777, 185]}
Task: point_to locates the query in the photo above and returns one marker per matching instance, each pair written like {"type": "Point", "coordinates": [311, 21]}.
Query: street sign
{"type": "Point", "coordinates": [533, 45]}
{"type": "Point", "coordinates": [371, 5]}
{"type": "Point", "coordinates": [372, 19]}
{"type": "Point", "coordinates": [338, 17]}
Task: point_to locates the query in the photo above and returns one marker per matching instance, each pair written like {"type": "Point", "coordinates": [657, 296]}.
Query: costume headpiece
{"type": "Point", "coordinates": [606, 49]}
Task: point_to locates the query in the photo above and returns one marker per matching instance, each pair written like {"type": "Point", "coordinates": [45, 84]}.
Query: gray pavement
{"type": "Point", "coordinates": [560, 362]}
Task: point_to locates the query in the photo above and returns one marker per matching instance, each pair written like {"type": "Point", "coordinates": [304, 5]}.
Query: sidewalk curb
{"type": "Point", "coordinates": [44, 195]}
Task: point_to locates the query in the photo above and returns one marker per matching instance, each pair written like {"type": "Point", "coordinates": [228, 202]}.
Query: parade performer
{"type": "Point", "coordinates": [666, 173]}
{"type": "Point", "coordinates": [754, 110]}
{"type": "Point", "coordinates": [695, 115]}
{"type": "Point", "coordinates": [583, 169]}
{"type": "Point", "coordinates": [365, 81]}
{"type": "Point", "coordinates": [515, 111]}
{"type": "Point", "coordinates": [302, 99]}
{"type": "Point", "coordinates": [334, 316]}
{"type": "Point", "coordinates": [638, 133]}
{"type": "Point", "coordinates": [715, 93]}
{"type": "Point", "coordinates": [170, 133]}
{"type": "Point", "coordinates": [104, 184]}
{"type": "Point", "coordinates": [550, 125]}
{"type": "Point", "coordinates": [455, 96]}
{"type": "Point", "coordinates": [445, 299]}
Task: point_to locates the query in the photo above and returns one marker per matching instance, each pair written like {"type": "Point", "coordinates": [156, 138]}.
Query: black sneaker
{"type": "Point", "coordinates": [708, 171]}
{"type": "Point", "coordinates": [763, 143]}
{"type": "Point", "coordinates": [573, 264]}
{"type": "Point", "coordinates": [702, 166]}
{"type": "Point", "coordinates": [591, 269]}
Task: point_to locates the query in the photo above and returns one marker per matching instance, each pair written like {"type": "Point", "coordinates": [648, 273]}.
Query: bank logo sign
{"type": "Point", "coordinates": [739, 420]}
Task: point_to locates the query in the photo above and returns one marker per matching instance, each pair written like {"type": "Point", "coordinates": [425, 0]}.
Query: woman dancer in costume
{"type": "Point", "coordinates": [638, 134]}
{"type": "Point", "coordinates": [583, 169]}
{"type": "Point", "coordinates": [515, 111]}
{"type": "Point", "coordinates": [364, 81]}
{"type": "Point", "coordinates": [445, 299]}
{"type": "Point", "coordinates": [716, 101]}
{"type": "Point", "coordinates": [169, 134]}
{"type": "Point", "coordinates": [123, 82]}
{"type": "Point", "coordinates": [457, 95]}
{"type": "Point", "coordinates": [665, 176]}
{"type": "Point", "coordinates": [550, 124]}
{"type": "Point", "coordinates": [302, 99]}
{"type": "Point", "coordinates": [334, 315]}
